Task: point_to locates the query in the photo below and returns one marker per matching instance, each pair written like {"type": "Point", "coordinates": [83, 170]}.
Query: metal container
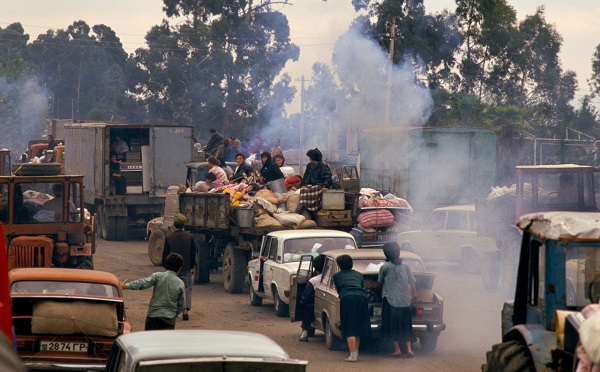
{"type": "Point", "coordinates": [277, 186]}
{"type": "Point", "coordinates": [244, 217]}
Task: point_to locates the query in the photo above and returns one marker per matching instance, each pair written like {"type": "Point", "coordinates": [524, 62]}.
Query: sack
{"type": "Point", "coordinates": [376, 218]}
{"type": "Point", "coordinates": [269, 196]}
{"type": "Point", "coordinates": [289, 219]}
{"type": "Point", "coordinates": [76, 317]}
{"type": "Point", "coordinates": [265, 220]}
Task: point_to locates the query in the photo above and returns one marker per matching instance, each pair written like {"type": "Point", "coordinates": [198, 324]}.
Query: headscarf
{"type": "Point", "coordinates": [314, 154]}
{"type": "Point", "coordinates": [392, 252]}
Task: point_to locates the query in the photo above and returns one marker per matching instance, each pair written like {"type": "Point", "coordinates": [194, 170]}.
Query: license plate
{"type": "Point", "coordinates": [73, 347]}
{"type": "Point", "coordinates": [377, 311]}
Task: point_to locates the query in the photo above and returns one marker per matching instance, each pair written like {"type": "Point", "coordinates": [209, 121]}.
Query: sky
{"type": "Point", "coordinates": [315, 26]}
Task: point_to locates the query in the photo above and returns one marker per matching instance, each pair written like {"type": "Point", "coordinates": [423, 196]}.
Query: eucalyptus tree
{"type": "Point", "coordinates": [218, 67]}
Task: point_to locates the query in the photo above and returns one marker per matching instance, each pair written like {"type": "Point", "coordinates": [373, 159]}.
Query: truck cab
{"type": "Point", "coordinates": [559, 270]}
{"type": "Point", "coordinates": [44, 219]}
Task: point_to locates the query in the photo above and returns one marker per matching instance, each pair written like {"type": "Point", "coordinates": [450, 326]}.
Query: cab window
{"type": "Point", "coordinates": [327, 272]}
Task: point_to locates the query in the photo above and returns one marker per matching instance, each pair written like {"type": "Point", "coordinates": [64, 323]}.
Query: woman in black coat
{"type": "Point", "coordinates": [243, 170]}
{"type": "Point", "coordinates": [269, 171]}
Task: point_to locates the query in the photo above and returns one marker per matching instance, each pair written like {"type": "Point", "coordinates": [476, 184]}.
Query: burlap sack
{"type": "Point", "coordinates": [269, 196]}
{"type": "Point", "coordinates": [292, 202]}
{"type": "Point", "coordinates": [265, 220]}
{"type": "Point", "coordinates": [289, 219]}
{"type": "Point", "coordinates": [77, 317]}
{"type": "Point", "coordinates": [307, 224]}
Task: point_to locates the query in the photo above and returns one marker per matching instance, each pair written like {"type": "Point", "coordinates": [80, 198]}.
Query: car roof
{"type": "Point", "coordinates": [369, 253]}
{"type": "Point", "coordinates": [466, 207]}
{"type": "Point", "coordinates": [561, 167]}
{"type": "Point", "coordinates": [67, 275]}
{"type": "Point", "coordinates": [308, 233]}
{"type": "Point", "coordinates": [199, 343]}
{"type": "Point", "coordinates": [562, 225]}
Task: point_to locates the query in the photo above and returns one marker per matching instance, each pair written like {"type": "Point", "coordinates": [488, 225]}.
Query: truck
{"type": "Point", "coordinates": [538, 188]}
{"type": "Point", "coordinates": [280, 257]}
{"type": "Point", "coordinates": [558, 275]}
{"type": "Point", "coordinates": [45, 222]}
{"type": "Point", "coordinates": [157, 155]}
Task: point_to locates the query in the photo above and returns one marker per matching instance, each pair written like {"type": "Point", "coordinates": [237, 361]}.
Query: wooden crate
{"type": "Point", "coordinates": [334, 218]}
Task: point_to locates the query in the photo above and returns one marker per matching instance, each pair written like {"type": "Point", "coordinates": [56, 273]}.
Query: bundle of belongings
{"type": "Point", "coordinates": [378, 211]}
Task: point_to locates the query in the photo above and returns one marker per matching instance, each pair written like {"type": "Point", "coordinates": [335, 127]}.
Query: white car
{"type": "Point", "coordinates": [450, 234]}
{"type": "Point", "coordinates": [270, 276]}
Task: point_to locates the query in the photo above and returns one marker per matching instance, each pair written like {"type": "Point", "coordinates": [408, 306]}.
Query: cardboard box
{"type": "Point", "coordinates": [334, 200]}
{"type": "Point", "coordinates": [134, 189]}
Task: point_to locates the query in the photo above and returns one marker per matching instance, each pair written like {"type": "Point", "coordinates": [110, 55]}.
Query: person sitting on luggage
{"type": "Point", "coordinates": [269, 171]}
{"type": "Point", "coordinates": [243, 171]}
{"type": "Point", "coordinates": [316, 181]}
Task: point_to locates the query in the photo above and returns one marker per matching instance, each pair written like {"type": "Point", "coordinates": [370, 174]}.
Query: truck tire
{"type": "Point", "coordinates": [509, 356]}
{"type": "Point", "coordinates": [156, 244]}
{"type": "Point", "coordinates": [121, 228]}
{"type": "Point", "coordinates": [110, 228]}
{"type": "Point", "coordinates": [234, 269]}
{"type": "Point", "coordinates": [36, 169]}
{"type": "Point", "coordinates": [428, 343]}
{"type": "Point", "coordinates": [85, 263]}
{"type": "Point", "coordinates": [255, 300]}
{"type": "Point", "coordinates": [202, 269]}
{"type": "Point", "coordinates": [281, 308]}
{"type": "Point", "coordinates": [332, 341]}
{"type": "Point", "coordinates": [490, 273]}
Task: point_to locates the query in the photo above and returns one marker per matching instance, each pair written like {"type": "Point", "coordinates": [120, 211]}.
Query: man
{"type": "Point", "coordinates": [56, 204]}
{"type": "Point", "coordinates": [181, 242]}
{"type": "Point", "coordinates": [51, 142]}
{"type": "Point", "coordinates": [120, 147]}
{"type": "Point", "coordinates": [215, 143]}
{"type": "Point", "coordinates": [118, 183]}
{"type": "Point", "coordinates": [243, 171]}
{"type": "Point", "coordinates": [168, 296]}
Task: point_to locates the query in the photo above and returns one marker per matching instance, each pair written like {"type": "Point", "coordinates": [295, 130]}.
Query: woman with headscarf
{"type": "Point", "coordinates": [316, 181]}
{"type": "Point", "coordinates": [398, 292]}
{"type": "Point", "coordinates": [269, 171]}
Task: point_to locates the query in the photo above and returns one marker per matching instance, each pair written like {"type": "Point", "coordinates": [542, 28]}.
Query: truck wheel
{"type": "Point", "coordinates": [490, 274]}
{"type": "Point", "coordinates": [255, 300]}
{"type": "Point", "coordinates": [202, 270]}
{"type": "Point", "coordinates": [100, 221]}
{"type": "Point", "coordinates": [85, 263]}
{"type": "Point", "coordinates": [428, 343]}
{"type": "Point", "coordinates": [110, 228]}
{"type": "Point", "coordinates": [510, 356]}
{"type": "Point", "coordinates": [121, 228]}
{"type": "Point", "coordinates": [234, 269]}
{"type": "Point", "coordinates": [281, 308]}
{"type": "Point", "coordinates": [469, 261]}
{"type": "Point", "coordinates": [156, 243]}
{"type": "Point", "coordinates": [332, 341]}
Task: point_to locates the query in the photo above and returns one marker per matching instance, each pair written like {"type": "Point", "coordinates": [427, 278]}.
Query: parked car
{"type": "Point", "coordinates": [427, 319]}
{"type": "Point", "coordinates": [449, 234]}
{"type": "Point", "coordinates": [66, 318]}
{"type": "Point", "coordinates": [270, 275]}
{"type": "Point", "coordinates": [200, 350]}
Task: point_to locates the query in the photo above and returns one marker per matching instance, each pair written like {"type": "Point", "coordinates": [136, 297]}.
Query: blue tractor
{"type": "Point", "coordinates": [558, 273]}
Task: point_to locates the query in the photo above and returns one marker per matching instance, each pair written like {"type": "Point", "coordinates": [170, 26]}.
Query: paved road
{"type": "Point", "coordinates": [472, 316]}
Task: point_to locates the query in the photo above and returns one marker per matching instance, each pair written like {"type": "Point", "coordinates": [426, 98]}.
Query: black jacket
{"type": "Point", "coordinates": [181, 242]}
{"type": "Point", "coordinates": [317, 174]}
{"type": "Point", "coordinates": [241, 171]}
{"type": "Point", "coordinates": [270, 171]}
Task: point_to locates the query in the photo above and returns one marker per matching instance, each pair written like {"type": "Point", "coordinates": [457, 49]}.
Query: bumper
{"type": "Point", "coordinates": [64, 367]}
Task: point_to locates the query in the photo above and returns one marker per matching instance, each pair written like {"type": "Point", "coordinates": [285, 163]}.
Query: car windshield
{"type": "Point", "coordinates": [293, 249]}
{"type": "Point", "coordinates": [64, 288]}
{"type": "Point", "coordinates": [373, 265]}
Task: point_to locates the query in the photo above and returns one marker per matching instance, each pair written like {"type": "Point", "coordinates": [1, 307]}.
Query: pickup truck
{"type": "Point", "coordinates": [271, 274]}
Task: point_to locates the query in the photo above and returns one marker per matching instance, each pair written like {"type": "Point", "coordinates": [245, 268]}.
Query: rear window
{"type": "Point", "coordinates": [64, 288]}
{"type": "Point", "coordinates": [293, 249]}
{"type": "Point", "coordinates": [374, 265]}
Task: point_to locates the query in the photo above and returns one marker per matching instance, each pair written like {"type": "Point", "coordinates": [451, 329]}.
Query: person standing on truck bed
{"type": "Point", "coordinates": [181, 242]}
{"type": "Point", "coordinates": [215, 143]}
{"type": "Point", "coordinates": [120, 147]}
{"type": "Point", "coordinates": [168, 296]}
{"type": "Point", "coordinates": [118, 183]}
{"type": "Point", "coordinates": [316, 181]}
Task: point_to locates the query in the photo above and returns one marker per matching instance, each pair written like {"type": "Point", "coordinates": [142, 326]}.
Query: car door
{"type": "Point", "coordinates": [268, 264]}
{"type": "Point", "coordinates": [326, 297]}
{"type": "Point", "coordinates": [299, 281]}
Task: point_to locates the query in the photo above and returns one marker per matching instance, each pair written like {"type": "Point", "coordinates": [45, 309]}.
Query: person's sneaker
{"type": "Point", "coordinates": [303, 339]}
{"type": "Point", "coordinates": [185, 317]}
{"type": "Point", "coordinates": [351, 358]}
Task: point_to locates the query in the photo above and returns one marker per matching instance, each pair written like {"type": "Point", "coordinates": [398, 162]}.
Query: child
{"type": "Point", "coordinates": [168, 295]}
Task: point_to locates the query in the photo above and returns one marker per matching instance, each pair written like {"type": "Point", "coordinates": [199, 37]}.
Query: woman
{"type": "Point", "coordinates": [243, 171]}
{"type": "Point", "coordinates": [269, 171]}
{"type": "Point", "coordinates": [214, 167]}
{"type": "Point", "coordinates": [307, 298]}
{"type": "Point", "coordinates": [316, 181]}
{"type": "Point", "coordinates": [287, 171]}
{"type": "Point", "coordinates": [398, 291]}
{"type": "Point", "coordinates": [354, 305]}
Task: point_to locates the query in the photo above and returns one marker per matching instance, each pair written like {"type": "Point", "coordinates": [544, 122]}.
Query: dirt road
{"type": "Point", "coordinates": [472, 316]}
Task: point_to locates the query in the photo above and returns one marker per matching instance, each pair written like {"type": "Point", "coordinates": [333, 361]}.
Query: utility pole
{"type": "Point", "coordinates": [388, 93]}
{"type": "Point", "coordinates": [301, 144]}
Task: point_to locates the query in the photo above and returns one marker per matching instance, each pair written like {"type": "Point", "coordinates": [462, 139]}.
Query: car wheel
{"type": "Point", "coordinates": [156, 243]}
{"type": "Point", "coordinates": [469, 261]}
{"type": "Point", "coordinates": [510, 356]}
{"type": "Point", "coordinates": [332, 341]}
{"type": "Point", "coordinates": [255, 300]}
{"type": "Point", "coordinates": [428, 343]}
{"type": "Point", "coordinates": [281, 308]}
